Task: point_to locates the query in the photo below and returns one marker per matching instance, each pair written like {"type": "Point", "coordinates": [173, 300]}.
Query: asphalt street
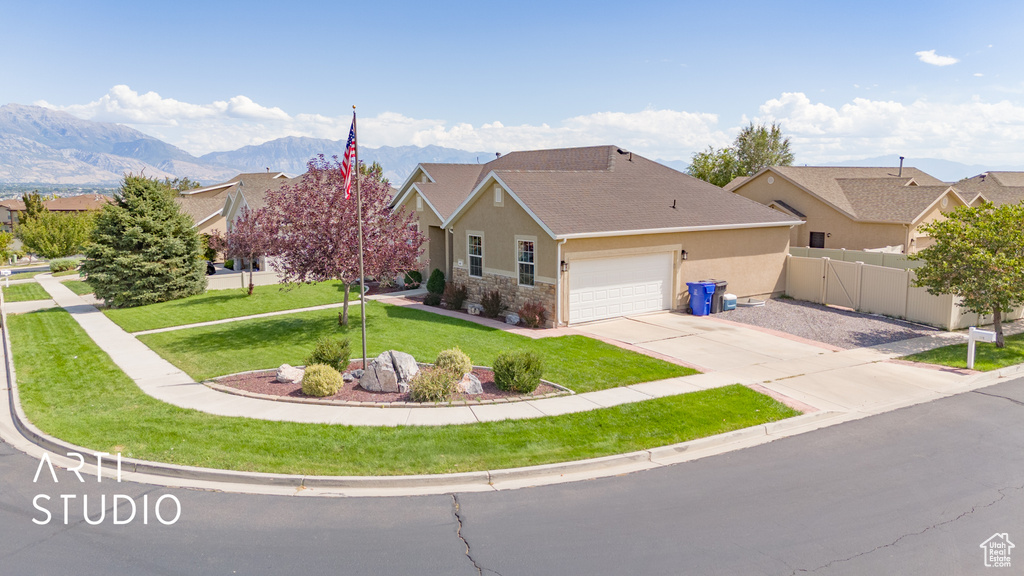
{"type": "Point", "coordinates": [914, 491]}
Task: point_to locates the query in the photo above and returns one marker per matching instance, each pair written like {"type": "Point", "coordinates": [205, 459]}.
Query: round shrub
{"type": "Point", "coordinates": [435, 284]}
{"type": "Point", "coordinates": [334, 353]}
{"type": "Point", "coordinates": [432, 299]}
{"type": "Point", "coordinates": [321, 380]}
{"type": "Point", "coordinates": [454, 360]}
{"type": "Point", "coordinates": [433, 385]}
{"type": "Point", "coordinates": [413, 279]}
{"type": "Point", "coordinates": [518, 371]}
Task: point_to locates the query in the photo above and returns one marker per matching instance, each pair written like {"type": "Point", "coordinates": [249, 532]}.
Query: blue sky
{"type": "Point", "coordinates": [846, 80]}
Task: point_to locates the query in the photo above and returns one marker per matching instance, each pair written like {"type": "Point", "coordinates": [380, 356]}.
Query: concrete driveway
{"type": "Point", "coordinates": [704, 343]}
{"type": "Point", "coordinates": [802, 373]}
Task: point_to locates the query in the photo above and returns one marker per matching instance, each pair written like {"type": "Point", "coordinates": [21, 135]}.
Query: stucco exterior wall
{"type": "Point", "coordinates": [840, 231]}
{"type": "Point", "coordinates": [752, 260]}
{"type": "Point", "coordinates": [919, 240]}
{"type": "Point", "coordinates": [433, 247]}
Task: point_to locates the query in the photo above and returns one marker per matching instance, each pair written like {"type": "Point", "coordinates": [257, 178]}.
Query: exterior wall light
{"type": "Point", "coordinates": [683, 255]}
{"type": "Point", "coordinates": [565, 266]}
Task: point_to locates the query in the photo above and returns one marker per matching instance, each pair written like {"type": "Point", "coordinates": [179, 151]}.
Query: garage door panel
{"type": "Point", "coordinates": [610, 287]}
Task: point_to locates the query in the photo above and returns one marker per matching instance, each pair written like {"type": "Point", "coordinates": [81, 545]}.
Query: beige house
{"type": "Point", "coordinates": [206, 205]}
{"type": "Point", "coordinates": [998, 187]}
{"type": "Point", "coordinates": [592, 233]}
{"type": "Point", "coordinates": [9, 209]}
{"type": "Point", "coordinates": [854, 208]}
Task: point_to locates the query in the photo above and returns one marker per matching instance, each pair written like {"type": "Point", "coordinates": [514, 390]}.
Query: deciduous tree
{"type": "Point", "coordinates": [317, 228]}
{"type": "Point", "coordinates": [755, 147]}
{"type": "Point", "coordinates": [252, 235]}
{"type": "Point", "coordinates": [143, 250]}
{"type": "Point", "coordinates": [56, 234]}
{"type": "Point", "coordinates": [718, 167]}
{"type": "Point", "coordinates": [978, 255]}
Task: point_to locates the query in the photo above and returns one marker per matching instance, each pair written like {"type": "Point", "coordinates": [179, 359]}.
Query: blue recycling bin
{"type": "Point", "coordinates": [701, 294]}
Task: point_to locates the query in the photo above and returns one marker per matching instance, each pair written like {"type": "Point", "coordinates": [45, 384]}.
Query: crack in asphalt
{"type": "Point", "coordinates": [1002, 495]}
{"type": "Point", "coordinates": [458, 517]}
{"type": "Point", "coordinates": [1014, 400]}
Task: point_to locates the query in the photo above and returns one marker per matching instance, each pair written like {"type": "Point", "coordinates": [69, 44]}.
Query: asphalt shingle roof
{"type": "Point", "coordinates": [998, 187]}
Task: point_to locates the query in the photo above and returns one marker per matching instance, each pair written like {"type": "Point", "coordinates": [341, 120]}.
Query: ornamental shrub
{"type": "Point", "coordinates": [413, 279]}
{"type": "Point", "coordinates": [433, 385]}
{"type": "Point", "coordinates": [229, 264]}
{"type": "Point", "coordinates": [518, 371]}
{"type": "Point", "coordinates": [321, 380]}
{"type": "Point", "coordinates": [492, 304]}
{"type": "Point", "coordinates": [334, 353]}
{"type": "Point", "coordinates": [454, 296]}
{"type": "Point", "coordinates": [64, 264]}
{"type": "Point", "coordinates": [533, 314]}
{"type": "Point", "coordinates": [454, 360]}
{"type": "Point", "coordinates": [435, 285]}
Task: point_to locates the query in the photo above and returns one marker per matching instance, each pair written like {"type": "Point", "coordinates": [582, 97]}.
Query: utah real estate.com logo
{"type": "Point", "coordinates": [997, 550]}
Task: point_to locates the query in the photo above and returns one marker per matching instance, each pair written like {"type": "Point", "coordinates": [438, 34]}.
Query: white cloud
{"type": "Point", "coordinates": [930, 57]}
{"type": "Point", "coordinates": [974, 131]}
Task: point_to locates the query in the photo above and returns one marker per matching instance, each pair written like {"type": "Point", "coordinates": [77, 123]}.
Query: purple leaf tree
{"type": "Point", "coordinates": [252, 235]}
{"type": "Point", "coordinates": [317, 228]}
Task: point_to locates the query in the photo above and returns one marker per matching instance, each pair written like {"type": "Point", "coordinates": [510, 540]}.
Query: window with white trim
{"type": "Point", "coordinates": [525, 257]}
{"type": "Point", "coordinates": [497, 194]}
{"type": "Point", "coordinates": [475, 250]}
{"type": "Point", "coordinates": [419, 203]}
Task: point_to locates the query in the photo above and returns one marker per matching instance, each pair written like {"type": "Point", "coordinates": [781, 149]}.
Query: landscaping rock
{"type": "Point", "coordinates": [512, 319]}
{"type": "Point", "coordinates": [474, 309]}
{"type": "Point", "coordinates": [389, 372]}
{"type": "Point", "coordinates": [470, 384]}
{"type": "Point", "coordinates": [404, 364]}
{"type": "Point", "coordinates": [289, 374]}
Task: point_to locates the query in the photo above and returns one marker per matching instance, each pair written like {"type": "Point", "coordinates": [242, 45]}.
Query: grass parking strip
{"type": "Point", "coordinates": [986, 355]}
{"type": "Point", "coordinates": [72, 390]}
{"type": "Point", "coordinates": [80, 287]}
{"type": "Point", "coordinates": [581, 363]}
{"type": "Point", "coordinates": [25, 293]}
{"type": "Point", "coordinates": [230, 303]}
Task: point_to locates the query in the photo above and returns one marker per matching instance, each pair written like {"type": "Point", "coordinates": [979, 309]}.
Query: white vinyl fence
{"type": "Point", "coordinates": [877, 290]}
{"type": "Point", "coordinates": [889, 260]}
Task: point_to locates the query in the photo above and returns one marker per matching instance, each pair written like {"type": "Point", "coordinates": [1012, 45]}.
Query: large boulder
{"type": "Point", "coordinates": [289, 374]}
{"type": "Point", "coordinates": [389, 372]}
{"type": "Point", "coordinates": [470, 384]}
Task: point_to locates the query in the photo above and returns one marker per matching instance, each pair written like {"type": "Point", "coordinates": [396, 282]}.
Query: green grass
{"type": "Point", "coordinates": [221, 304]}
{"type": "Point", "coordinates": [25, 293]}
{"type": "Point", "coordinates": [72, 390]}
{"type": "Point", "coordinates": [24, 275]}
{"type": "Point", "coordinates": [66, 273]}
{"type": "Point", "coordinates": [581, 363]}
{"type": "Point", "coordinates": [986, 356]}
{"type": "Point", "coordinates": [79, 287]}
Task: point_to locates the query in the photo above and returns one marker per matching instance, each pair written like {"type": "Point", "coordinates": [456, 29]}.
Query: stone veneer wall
{"type": "Point", "coordinates": [513, 295]}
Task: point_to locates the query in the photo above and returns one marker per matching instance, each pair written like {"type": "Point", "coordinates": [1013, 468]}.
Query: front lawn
{"type": "Point", "coordinates": [80, 287]}
{"type": "Point", "coordinates": [231, 303]}
{"type": "Point", "coordinates": [581, 363]}
{"type": "Point", "coordinates": [72, 390]}
{"type": "Point", "coordinates": [986, 356]}
{"type": "Point", "coordinates": [25, 293]}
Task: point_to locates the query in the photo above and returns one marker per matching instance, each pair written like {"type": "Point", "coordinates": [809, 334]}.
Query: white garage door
{"type": "Point", "coordinates": [610, 287]}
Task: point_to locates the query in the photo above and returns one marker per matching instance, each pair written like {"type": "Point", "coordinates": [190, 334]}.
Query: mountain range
{"type": "Point", "coordinates": [41, 146]}
{"type": "Point", "coordinates": [49, 147]}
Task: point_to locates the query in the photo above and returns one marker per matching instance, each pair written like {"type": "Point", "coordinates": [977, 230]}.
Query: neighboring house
{"type": "Point", "coordinates": [854, 208]}
{"type": "Point", "coordinates": [592, 233]}
{"type": "Point", "coordinates": [998, 187]}
{"type": "Point", "coordinates": [10, 209]}
{"type": "Point", "coordinates": [249, 191]}
{"type": "Point", "coordinates": [206, 205]}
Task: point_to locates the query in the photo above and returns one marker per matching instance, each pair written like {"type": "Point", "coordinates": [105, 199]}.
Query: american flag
{"type": "Point", "coordinates": [346, 164]}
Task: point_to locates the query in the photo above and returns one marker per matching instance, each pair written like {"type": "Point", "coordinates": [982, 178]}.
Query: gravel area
{"type": "Point", "coordinates": [840, 328]}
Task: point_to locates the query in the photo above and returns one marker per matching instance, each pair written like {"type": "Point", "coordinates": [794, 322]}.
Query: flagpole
{"type": "Point", "coordinates": [359, 208]}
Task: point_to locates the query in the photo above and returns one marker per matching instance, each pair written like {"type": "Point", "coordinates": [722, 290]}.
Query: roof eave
{"type": "Point", "coordinates": [705, 228]}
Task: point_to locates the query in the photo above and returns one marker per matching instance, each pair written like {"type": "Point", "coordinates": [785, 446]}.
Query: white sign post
{"type": "Point", "coordinates": [976, 335]}
{"type": "Point", "coordinates": [7, 277]}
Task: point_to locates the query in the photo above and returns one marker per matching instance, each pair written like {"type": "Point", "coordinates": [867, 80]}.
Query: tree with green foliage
{"type": "Point", "coordinates": [56, 234]}
{"type": "Point", "coordinates": [755, 147]}
{"type": "Point", "coordinates": [761, 146]}
{"type": "Point", "coordinates": [978, 255]}
{"type": "Point", "coordinates": [34, 206]}
{"type": "Point", "coordinates": [6, 246]}
{"type": "Point", "coordinates": [183, 184]}
{"type": "Point", "coordinates": [717, 166]}
{"type": "Point", "coordinates": [144, 250]}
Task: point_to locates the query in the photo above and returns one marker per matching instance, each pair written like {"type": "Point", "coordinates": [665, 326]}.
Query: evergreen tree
{"type": "Point", "coordinates": [33, 206]}
{"type": "Point", "coordinates": [143, 249]}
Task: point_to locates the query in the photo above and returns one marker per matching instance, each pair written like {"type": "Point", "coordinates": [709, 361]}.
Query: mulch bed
{"type": "Point", "coordinates": [264, 382]}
